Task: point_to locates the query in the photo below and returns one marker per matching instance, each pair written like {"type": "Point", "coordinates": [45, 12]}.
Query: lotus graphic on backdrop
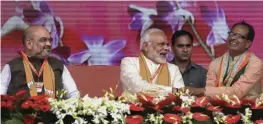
{"type": "Point", "coordinates": [216, 19]}
{"type": "Point", "coordinates": [175, 15]}
{"type": "Point", "coordinates": [99, 53]}
{"type": "Point", "coordinates": [40, 13]}
{"type": "Point", "coordinates": [171, 12]}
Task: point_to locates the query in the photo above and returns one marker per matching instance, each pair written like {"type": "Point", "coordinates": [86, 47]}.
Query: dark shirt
{"type": "Point", "coordinates": [194, 75]}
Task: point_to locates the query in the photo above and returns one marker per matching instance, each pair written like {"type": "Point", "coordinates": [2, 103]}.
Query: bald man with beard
{"type": "Point", "coordinates": [34, 70]}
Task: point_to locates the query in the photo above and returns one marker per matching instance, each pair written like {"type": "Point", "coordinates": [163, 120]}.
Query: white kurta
{"type": "Point", "coordinates": [132, 80]}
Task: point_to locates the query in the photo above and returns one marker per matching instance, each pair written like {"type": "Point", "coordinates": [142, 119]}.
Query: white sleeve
{"type": "Point", "coordinates": [5, 79]}
{"type": "Point", "coordinates": [132, 81]}
{"type": "Point", "coordinates": [177, 79]}
{"type": "Point", "coordinates": [69, 84]}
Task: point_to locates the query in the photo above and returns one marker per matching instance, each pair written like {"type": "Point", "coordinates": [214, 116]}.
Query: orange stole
{"type": "Point", "coordinates": [219, 81]}
{"type": "Point", "coordinates": [162, 72]}
{"type": "Point", "coordinates": [48, 78]}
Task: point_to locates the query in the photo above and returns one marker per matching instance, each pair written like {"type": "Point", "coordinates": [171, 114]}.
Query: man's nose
{"type": "Point", "coordinates": [48, 43]}
{"type": "Point", "coordinates": [166, 47]}
{"type": "Point", "coordinates": [185, 49]}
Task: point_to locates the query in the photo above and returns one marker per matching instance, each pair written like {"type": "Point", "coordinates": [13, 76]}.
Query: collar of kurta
{"type": "Point", "coordinates": [228, 74]}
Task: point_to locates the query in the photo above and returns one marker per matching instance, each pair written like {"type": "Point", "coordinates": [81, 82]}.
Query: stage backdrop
{"type": "Point", "coordinates": [103, 32]}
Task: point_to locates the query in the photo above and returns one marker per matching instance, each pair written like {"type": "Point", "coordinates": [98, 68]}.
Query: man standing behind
{"type": "Point", "coordinates": [238, 72]}
{"type": "Point", "coordinates": [34, 71]}
{"type": "Point", "coordinates": [194, 75]}
{"type": "Point", "coordinates": [150, 71]}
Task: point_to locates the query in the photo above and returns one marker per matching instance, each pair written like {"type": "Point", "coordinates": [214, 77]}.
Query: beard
{"type": "Point", "coordinates": [157, 58]}
{"type": "Point", "coordinates": [44, 52]}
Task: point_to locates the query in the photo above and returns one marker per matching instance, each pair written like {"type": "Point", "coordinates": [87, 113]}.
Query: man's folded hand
{"type": "Point", "coordinates": [196, 91]}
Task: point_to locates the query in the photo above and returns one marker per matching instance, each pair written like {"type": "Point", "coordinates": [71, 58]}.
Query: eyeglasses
{"type": "Point", "coordinates": [231, 34]}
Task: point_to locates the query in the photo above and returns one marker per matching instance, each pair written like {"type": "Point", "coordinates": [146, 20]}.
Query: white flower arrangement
{"type": "Point", "coordinates": [154, 118]}
{"type": "Point", "coordinates": [219, 117]}
{"type": "Point", "coordinates": [158, 99]}
{"type": "Point", "coordinates": [246, 118]}
{"type": "Point", "coordinates": [61, 108]}
{"type": "Point", "coordinates": [187, 101]}
{"type": "Point", "coordinates": [187, 118]}
{"type": "Point", "coordinates": [99, 109]}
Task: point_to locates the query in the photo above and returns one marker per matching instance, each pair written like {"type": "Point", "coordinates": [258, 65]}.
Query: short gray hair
{"type": "Point", "coordinates": [146, 35]}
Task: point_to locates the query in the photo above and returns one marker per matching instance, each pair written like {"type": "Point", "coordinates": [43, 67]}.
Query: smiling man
{"type": "Point", "coordinates": [150, 71]}
{"type": "Point", "coordinates": [35, 71]}
{"type": "Point", "coordinates": [238, 72]}
{"type": "Point", "coordinates": [194, 75]}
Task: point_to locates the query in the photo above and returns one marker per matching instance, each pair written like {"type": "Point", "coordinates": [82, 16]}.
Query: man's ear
{"type": "Point", "coordinates": [144, 46]}
{"type": "Point", "coordinates": [249, 43]}
{"type": "Point", "coordinates": [29, 44]}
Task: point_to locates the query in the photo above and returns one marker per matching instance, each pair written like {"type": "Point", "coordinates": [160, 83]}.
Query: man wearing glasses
{"type": "Point", "coordinates": [35, 71]}
{"type": "Point", "coordinates": [238, 72]}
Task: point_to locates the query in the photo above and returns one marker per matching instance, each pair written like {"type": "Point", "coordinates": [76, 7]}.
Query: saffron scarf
{"type": "Point", "coordinates": [228, 77]}
{"type": "Point", "coordinates": [162, 72]}
{"type": "Point", "coordinates": [48, 77]}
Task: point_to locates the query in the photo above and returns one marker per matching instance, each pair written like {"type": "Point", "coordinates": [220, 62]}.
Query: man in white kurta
{"type": "Point", "coordinates": [154, 49]}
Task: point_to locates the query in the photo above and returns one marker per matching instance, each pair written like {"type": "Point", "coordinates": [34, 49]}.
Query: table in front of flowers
{"type": "Point", "coordinates": [140, 108]}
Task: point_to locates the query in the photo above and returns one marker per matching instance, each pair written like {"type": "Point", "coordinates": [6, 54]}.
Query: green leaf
{"type": "Point", "coordinates": [14, 121]}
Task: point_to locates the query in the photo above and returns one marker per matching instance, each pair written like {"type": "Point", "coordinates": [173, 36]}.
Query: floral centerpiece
{"type": "Point", "coordinates": [130, 108]}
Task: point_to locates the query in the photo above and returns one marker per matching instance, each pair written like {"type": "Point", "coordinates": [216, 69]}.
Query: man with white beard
{"type": "Point", "coordinates": [150, 71]}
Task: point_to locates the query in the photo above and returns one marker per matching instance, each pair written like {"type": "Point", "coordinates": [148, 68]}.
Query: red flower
{"type": "Point", "coordinates": [256, 107]}
{"type": "Point", "coordinates": [167, 101]}
{"type": "Point", "coordinates": [214, 108]}
{"type": "Point", "coordinates": [233, 106]}
{"type": "Point", "coordinates": [248, 102]}
{"type": "Point", "coordinates": [3, 104]}
{"type": "Point", "coordinates": [45, 108]}
{"type": "Point", "coordinates": [172, 118]}
{"type": "Point", "coordinates": [145, 99]}
{"type": "Point", "coordinates": [258, 122]}
{"type": "Point", "coordinates": [232, 119]}
{"type": "Point", "coordinates": [42, 102]}
{"type": "Point", "coordinates": [39, 98]}
{"type": "Point", "coordinates": [184, 110]}
{"type": "Point", "coordinates": [4, 97]}
{"type": "Point", "coordinates": [157, 108]}
{"type": "Point", "coordinates": [29, 119]}
{"type": "Point", "coordinates": [134, 119]}
{"type": "Point", "coordinates": [136, 108]}
{"type": "Point", "coordinates": [200, 102]}
{"type": "Point", "coordinates": [11, 98]}
{"type": "Point", "coordinates": [21, 93]}
{"type": "Point", "coordinates": [35, 106]}
{"type": "Point", "coordinates": [26, 104]}
{"type": "Point", "coordinates": [200, 117]}
{"type": "Point", "coordinates": [217, 101]}
{"type": "Point", "coordinates": [9, 104]}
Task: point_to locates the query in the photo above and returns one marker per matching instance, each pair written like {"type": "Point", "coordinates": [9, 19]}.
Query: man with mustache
{"type": "Point", "coordinates": [194, 75]}
{"type": "Point", "coordinates": [35, 71]}
{"type": "Point", "coordinates": [238, 72]}
{"type": "Point", "coordinates": [150, 72]}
